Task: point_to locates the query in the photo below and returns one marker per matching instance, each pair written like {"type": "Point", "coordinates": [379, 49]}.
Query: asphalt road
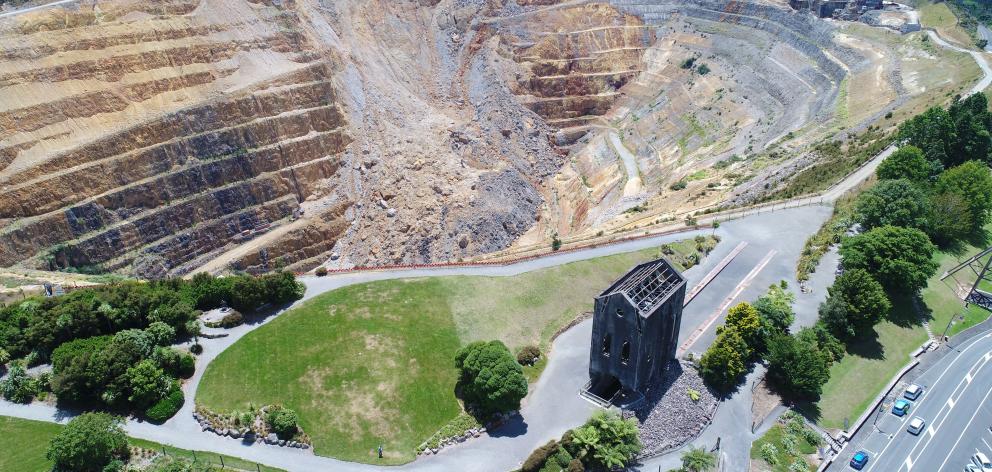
{"type": "Point", "coordinates": [955, 406]}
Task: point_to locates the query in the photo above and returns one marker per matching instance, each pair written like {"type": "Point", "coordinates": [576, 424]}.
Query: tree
{"type": "Point", "coordinates": [722, 365]}
{"type": "Point", "coordinates": [818, 335]}
{"type": "Point", "coordinates": [892, 202]}
{"type": "Point", "coordinates": [148, 383]}
{"type": "Point", "coordinates": [949, 218]}
{"type": "Point", "coordinates": [972, 122]}
{"type": "Point", "coordinates": [491, 378]}
{"type": "Point", "coordinates": [744, 319]}
{"type": "Point", "coordinates": [930, 131]}
{"type": "Point", "coordinates": [865, 302]}
{"type": "Point", "coordinates": [901, 259]}
{"type": "Point", "coordinates": [697, 459]}
{"type": "Point", "coordinates": [88, 443]}
{"type": "Point", "coordinates": [607, 440]}
{"type": "Point", "coordinates": [908, 162]}
{"type": "Point", "coordinates": [972, 182]}
{"type": "Point", "coordinates": [798, 368]}
{"type": "Point", "coordinates": [161, 333]}
{"type": "Point", "coordinates": [775, 309]}
{"type": "Point", "coordinates": [4, 357]}
{"type": "Point", "coordinates": [833, 315]}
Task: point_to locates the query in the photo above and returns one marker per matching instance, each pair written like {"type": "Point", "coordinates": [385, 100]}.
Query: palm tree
{"type": "Point", "coordinates": [696, 459]}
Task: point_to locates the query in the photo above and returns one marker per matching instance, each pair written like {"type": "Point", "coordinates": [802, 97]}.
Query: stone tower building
{"type": "Point", "coordinates": [635, 329]}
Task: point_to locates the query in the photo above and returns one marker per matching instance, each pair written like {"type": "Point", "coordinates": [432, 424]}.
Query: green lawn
{"type": "Point", "coordinates": [945, 305]}
{"type": "Point", "coordinates": [372, 364]}
{"type": "Point", "coordinates": [939, 17]}
{"type": "Point", "coordinates": [783, 460]}
{"type": "Point", "coordinates": [867, 367]}
{"type": "Point", "coordinates": [24, 443]}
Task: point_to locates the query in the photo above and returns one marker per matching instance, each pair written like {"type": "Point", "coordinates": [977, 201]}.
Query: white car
{"type": "Point", "coordinates": [913, 392]}
{"type": "Point", "coordinates": [916, 425]}
{"type": "Point", "coordinates": [982, 461]}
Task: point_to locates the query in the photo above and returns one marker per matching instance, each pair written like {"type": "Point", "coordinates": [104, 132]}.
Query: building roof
{"type": "Point", "coordinates": [647, 285]}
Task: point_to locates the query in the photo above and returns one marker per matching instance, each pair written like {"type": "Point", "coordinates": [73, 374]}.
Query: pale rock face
{"type": "Point", "coordinates": [163, 137]}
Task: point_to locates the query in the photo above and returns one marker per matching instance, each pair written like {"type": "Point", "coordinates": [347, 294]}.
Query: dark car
{"type": "Point", "coordinates": [859, 460]}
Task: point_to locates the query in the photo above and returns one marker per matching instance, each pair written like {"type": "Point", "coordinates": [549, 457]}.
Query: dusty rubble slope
{"type": "Point", "coordinates": [158, 137]}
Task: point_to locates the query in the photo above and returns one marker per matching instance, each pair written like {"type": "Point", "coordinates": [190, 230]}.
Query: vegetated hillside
{"type": "Point", "coordinates": [161, 137]}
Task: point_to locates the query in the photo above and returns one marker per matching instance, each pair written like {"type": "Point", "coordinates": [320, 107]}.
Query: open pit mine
{"type": "Point", "coordinates": [162, 137]}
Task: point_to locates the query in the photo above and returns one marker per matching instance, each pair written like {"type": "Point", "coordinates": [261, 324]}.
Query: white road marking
{"type": "Point", "coordinates": [909, 464]}
{"type": "Point", "coordinates": [968, 377]}
{"type": "Point", "coordinates": [963, 430]}
{"type": "Point", "coordinates": [986, 443]}
{"type": "Point", "coordinates": [970, 345]}
{"type": "Point", "coordinates": [930, 431]}
{"type": "Point", "coordinates": [950, 402]}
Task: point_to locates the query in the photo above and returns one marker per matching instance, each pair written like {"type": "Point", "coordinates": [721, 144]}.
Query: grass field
{"type": "Point", "coordinates": [868, 365]}
{"type": "Point", "coordinates": [24, 443]}
{"type": "Point", "coordinates": [372, 364]}
{"type": "Point", "coordinates": [939, 17]}
{"type": "Point", "coordinates": [871, 363]}
{"type": "Point", "coordinates": [783, 459]}
{"type": "Point", "coordinates": [944, 304]}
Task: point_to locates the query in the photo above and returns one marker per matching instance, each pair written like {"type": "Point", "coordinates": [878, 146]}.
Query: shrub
{"type": "Point", "coordinates": [196, 348]}
{"type": "Point", "coordinates": [89, 443]}
{"type": "Point", "coordinates": [555, 242]}
{"type": "Point", "coordinates": [703, 69]}
{"type": "Point", "coordinates": [4, 356]}
{"type": "Point", "coordinates": [536, 460]}
{"type": "Point", "coordinates": [799, 465]}
{"type": "Point", "coordinates": [283, 422]}
{"type": "Point", "coordinates": [321, 271]}
{"type": "Point", "coordinates": [769, 453]}
{"type": "Point", "coordinates": [791, 444]}
{"type": "Point", "coordinates": [167, 407]}
{"type": "Point", "coordinates": [491, 379]}
{"type": "Point", "coordinates": [680, 185]}
{"type": "Point", "coordinates": [528, 355]}
{"type": "Point", "coordinates": [693, 394]}
{"type": "Point", "coordinates": [575, 466]}
{"type": "Point", "coordinates": [17, 386]}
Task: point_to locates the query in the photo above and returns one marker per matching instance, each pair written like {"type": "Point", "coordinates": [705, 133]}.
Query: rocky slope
{"type": "Point", "coordinates": [158, 137]}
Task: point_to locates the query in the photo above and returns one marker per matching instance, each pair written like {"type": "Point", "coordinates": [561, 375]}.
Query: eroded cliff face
{"type": "Point", "coordinates": [162, 137]}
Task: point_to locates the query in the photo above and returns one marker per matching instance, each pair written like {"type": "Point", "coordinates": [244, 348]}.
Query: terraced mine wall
{"type": "Point", "coordinates": [182, 186]}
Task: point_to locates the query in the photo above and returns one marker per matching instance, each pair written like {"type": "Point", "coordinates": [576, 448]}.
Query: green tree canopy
{"type": "Point", "coordinates": [972, 181]}
{"type": "Point", "coordinates": [908, 162]}
{"type": "Point", "coordinates": [491, 378]}
{"type": "Point", "coordinates": [148, 383]}
{"type": "Point", "coordinates": [931, 131]}
{"type": "Point", "coordinates": [722, 365]}
{"type": "Point", "coordinates": [775, 308]}
{"type": "Point", "coordinates": [88, 443]}
{"type": "Point", "coordinates": [798, 368]}
{"type": "Point", "coordinates": [744, 319]}
{"type": "Point", "coordinates": [949, 218]}
{"type": "Point", "coordinates": [892, 202]}
{"type": "Point", "coordinates": [865, 301]}
{"type": "Point", "coordinates": [901, 259]}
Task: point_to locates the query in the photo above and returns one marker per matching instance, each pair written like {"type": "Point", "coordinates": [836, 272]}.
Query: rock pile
{"type": "Point", "coordinates": [670, 418]}
{"type": "Point", "coordinates": [471, 433]}
{"type": "Point", "coordinates": [246, 435]}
